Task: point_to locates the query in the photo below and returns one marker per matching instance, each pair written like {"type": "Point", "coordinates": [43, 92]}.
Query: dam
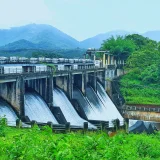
{"type": "Point", "coordinates": [58, 91]}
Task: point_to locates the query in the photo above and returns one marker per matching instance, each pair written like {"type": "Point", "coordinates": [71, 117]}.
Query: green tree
{"type": "Point", "coordinates": [142, 42]}
{"type": "Point", "coordinates": [150, 74]}
{"type": "Point", "coordinates": [120, 47]}
{"type": "Point", "coordinates": [141, 83]}
{"type": "Point", "coordinates": [140, 60]}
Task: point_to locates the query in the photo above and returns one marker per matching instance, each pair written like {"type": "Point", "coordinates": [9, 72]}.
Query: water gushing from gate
{"type": "Point", "coordinates": [7, 112]}
{"type": "Point", "coordinates": [61, 100]}
{"type": "Point", "coordinates": [36, 109]}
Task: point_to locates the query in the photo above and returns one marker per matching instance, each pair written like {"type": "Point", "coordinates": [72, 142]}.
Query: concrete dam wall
{"type": "Point", "coordinates": [65, 96]}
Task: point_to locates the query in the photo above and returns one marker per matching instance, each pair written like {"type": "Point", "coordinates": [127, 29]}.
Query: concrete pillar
{"type": "Point", "coordinates": [102, 125]}
{"type": "Point", "coordinates": [49, 91]}
{"type": "Point", "coordinates": [113, 60]}
{"type": "Point", "coordinates": [109, 60]}
{"type": "Point", "coordinates": [126, 125]}
{"type": "Point", "coordinates": [43, 84]}
{"type": "Point", "coordinates": [70, 85]}
{"type": "Point", "coordinates": [95, 81]}
{"type": "Point", "coordinates": [86, 78]}
{"type": "Point", "coordinates": [104, 60]}
{"type": "Point", "coordinates": [67, 127]}
{"type": "Point", "coordinates": [18, 123]}
{"type": "Point", "coordinates": [94, 57]}
{"type": "Point", "coordinates": [104, 79]}
{"type": "Point", "coordinates": [20, 90]}
{"type": "Point", "coordinates": [50, 124]}
{"type": "Point", "coordinates": [40, 86]}
{"type": "Point", "coordinates": [106, 57]}
{"type": "Point", "coordinates": [85, 127]}
{"type": "Point", "coordinates": [116, 123]}
{"type": "Point", "coordinates": [108, 86]}
{"type": "Point", "coordinates": [65, 79]}
{"type": "Point", "coordinates": [33, 123]}
{"type": "Point", "coordinates": [45, 89]}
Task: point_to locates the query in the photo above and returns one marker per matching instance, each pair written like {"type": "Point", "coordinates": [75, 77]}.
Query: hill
{"type": "Point", "coordinates": [47, 37]}
{"type": "Point", "coordinates": [154, 35]}
{"type": "Point", "coordinates": [21, 44]}
{"type": "Point", "coordinates": [54, 53]}
{"type": "Point", "coordinates": [44, 36]}
{"type": "Point", "coordinates": [96, 41]}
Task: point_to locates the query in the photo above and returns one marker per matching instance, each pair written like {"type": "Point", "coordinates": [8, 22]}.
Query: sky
{"type": "Point", "coordinates": [82, 19]}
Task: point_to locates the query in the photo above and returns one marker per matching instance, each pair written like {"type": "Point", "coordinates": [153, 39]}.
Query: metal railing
{"type": "Point", "coordinates": [141, 108]}
{"type": "Point", "coordinates": [44, 70]}
{"type": "Point", "coordinates": [99, 125]}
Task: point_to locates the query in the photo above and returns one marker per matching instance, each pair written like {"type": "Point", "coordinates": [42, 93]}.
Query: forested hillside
{"type": "Point", "coordinates": [66, 53]}
{"type": "Point", "coordinates": [41, 35]}
{"type": "Point", "coordinates": [141, 83]}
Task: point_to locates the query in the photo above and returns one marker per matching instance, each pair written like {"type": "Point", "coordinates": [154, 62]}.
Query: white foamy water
{"type": "Point", "coordinates": [36, 109]}
{"type": "Point", "coordinates": [7, 112]}
{"type": "Point", "coordinates": [61, 100]}
{"type": "Point", "coordinates": [92, 112]}
{"type": "Point", "coordinates": [109, 109]}
{"type": "Point", "coordinates": [100, 111]}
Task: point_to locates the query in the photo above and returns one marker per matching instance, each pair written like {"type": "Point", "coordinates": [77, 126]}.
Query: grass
{"type": "Point", "coordinates": [35, 144]}
{"type": "Point", "coordinates": [136, 92]}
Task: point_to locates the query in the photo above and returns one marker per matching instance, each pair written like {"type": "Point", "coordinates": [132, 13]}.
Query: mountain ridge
{"type": "Point", "coordinates": [96, 41]}
{"type": "Point", "coordinates": [38, 34]}
{"type": "Point", "coordinates": [42, 36]}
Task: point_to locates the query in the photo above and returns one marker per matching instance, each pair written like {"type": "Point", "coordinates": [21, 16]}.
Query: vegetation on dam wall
{"type": "Point", "coordinates": [33, 144]}
{"type": "Point", "coordinates": [141, 84]}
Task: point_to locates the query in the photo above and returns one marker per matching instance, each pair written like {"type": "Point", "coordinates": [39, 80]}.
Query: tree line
{"type": "Point", "coordinates": [141, 83]}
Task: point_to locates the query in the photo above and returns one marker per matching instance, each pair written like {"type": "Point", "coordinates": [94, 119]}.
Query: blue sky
{"type": "Point", "coordinates": [82, 19]}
